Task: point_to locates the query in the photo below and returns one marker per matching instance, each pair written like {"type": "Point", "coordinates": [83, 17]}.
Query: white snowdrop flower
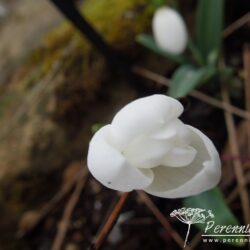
{"type": "Point", "coordinates": [169, 30]}
{"type": "Point", "coordinates": [147, 147]}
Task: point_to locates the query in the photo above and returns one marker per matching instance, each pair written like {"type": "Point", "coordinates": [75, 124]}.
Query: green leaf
{"type": "Point", "coordinates": [95, 127]}
{"type": "Point", "coordinates": [209, 26]}
{"type": "Point", "coordinates": [214, 200]}
{"type": "Point", "coordinates": [149, 42]}
{"type": "Point", "coordinates": [186, 78]}
{"type": "Point", "coordinates": [195, 53]}
{"type": "Point", "coordinates": [158, 3]}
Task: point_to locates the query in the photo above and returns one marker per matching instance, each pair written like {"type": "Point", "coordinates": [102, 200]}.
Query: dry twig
{"type": "Point", "coordinates": [49, 206]}
{"type": "Point", "coordinates": [246, 60]}
{"type": "Point", "coordinates": [234, 147]}
{"type": "Point", "coordinates": [65, 222]}
{"type": "Point", "coordinates": [162, 219]}
{"type": "Point", "coordinates": [234, 194]}
{"type": "Point", "coordinates": [196, 94]}
{"type": "Point", "coordinates": [236, 25]}
{"type": "Point", "coordinates": [104, 231]}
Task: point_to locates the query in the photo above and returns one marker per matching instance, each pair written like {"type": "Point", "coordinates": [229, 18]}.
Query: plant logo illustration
{"type": "Point", "coordinates": [191, 216]}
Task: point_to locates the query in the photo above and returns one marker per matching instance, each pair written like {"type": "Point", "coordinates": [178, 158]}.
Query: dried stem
{"type": "Point", "coordinates": [236, 25]}
{"type": "Point", "coordinates": [234, 147]}
{"type": "Point", "coordinates": [109, 224]}
{"type": "Point", "coordinates": [162, 219]}
{"type": "Point", "coordinates": [196, 94]}
{"type": "Point", "coordinates": [65, 222]}
{"type": "Point", "coordinates": [50, 205]}
{"type": "Point", "coordinates": [246, 60]}
{"type": "Point", "coordinates": [234, 194]}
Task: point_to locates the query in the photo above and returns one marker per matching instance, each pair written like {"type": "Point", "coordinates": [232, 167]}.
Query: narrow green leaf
{"type": "Point", "coordinates": [158, 3]}
{"type": "Point", "coordinates": [186, 78]}
{"type": "Point", "coordinates": [195, 53]}
{"type": "Point", "coordinates": [209, 26]}
{"type": "Point", "coordinates": [213, 200]}
{"type": "Point", "coordinates": [149, 42]}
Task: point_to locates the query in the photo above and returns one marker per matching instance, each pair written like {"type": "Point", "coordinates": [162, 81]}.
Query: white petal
{"type": "Point", "coordinates": [179, 157]}
{"type": "Point", "coordinates": [169, 30]}
{"type": "Point", "coordinates": [175, 130]}
{"type": "Point", "coordinates": [202, 174]}
{"type": "Point", "coordinates": [110, 167]}
{"type": "Point", "coordinates": [167, 131]}
{"type": "Point", "coordinates": [167, 179]}
{"type": "Point", "coordinates": [142, 117]}
{"type": "Point", "coordinates": [145, 152]}
{"type": "Point", "coordinates": [183, 137]}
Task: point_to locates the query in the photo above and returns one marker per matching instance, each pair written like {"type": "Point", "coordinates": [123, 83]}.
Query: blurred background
{"type": "Point", "coordinates": [57, 88]}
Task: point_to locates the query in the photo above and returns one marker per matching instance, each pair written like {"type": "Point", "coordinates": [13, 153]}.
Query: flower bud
{"type": "Point", "coordinates": [169, 30]}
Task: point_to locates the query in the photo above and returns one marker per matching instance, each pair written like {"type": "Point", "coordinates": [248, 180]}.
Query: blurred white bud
{"type": "Point", "coordinates": [170, 30]}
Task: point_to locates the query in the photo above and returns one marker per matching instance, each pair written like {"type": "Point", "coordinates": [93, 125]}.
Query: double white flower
{"type": "Point", "coordinates": [147, 147]}
{"type": "Point", "coordinates": [170, 30]}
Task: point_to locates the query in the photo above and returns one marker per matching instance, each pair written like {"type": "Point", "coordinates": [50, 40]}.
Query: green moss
{"type": "Point", "coordinates": [119, 21]}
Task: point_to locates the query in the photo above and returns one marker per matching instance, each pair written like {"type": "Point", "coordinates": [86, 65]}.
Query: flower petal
{"type": "Point", "coordinates": [202, 174]}
{"type": "Point", "coordinates": [179, 156]}
{"type": "Point", "coordinates": [143, 116]}
{"type": "Point", "coordinates": [110, 167]}
{"type": "Point", "coordinates": [175, 130]}
{"type": "Point", "coordinates": [145, 152]}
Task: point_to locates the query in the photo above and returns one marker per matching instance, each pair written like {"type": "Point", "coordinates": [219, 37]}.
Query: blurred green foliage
{"type": "Point", "coordinates": [201, 64]}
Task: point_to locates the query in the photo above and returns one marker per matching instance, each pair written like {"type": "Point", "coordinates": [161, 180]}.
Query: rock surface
{"type": "Point", "coordinates": [19, 34]}
{"type": "Point", "coordinates": [45, 115]}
